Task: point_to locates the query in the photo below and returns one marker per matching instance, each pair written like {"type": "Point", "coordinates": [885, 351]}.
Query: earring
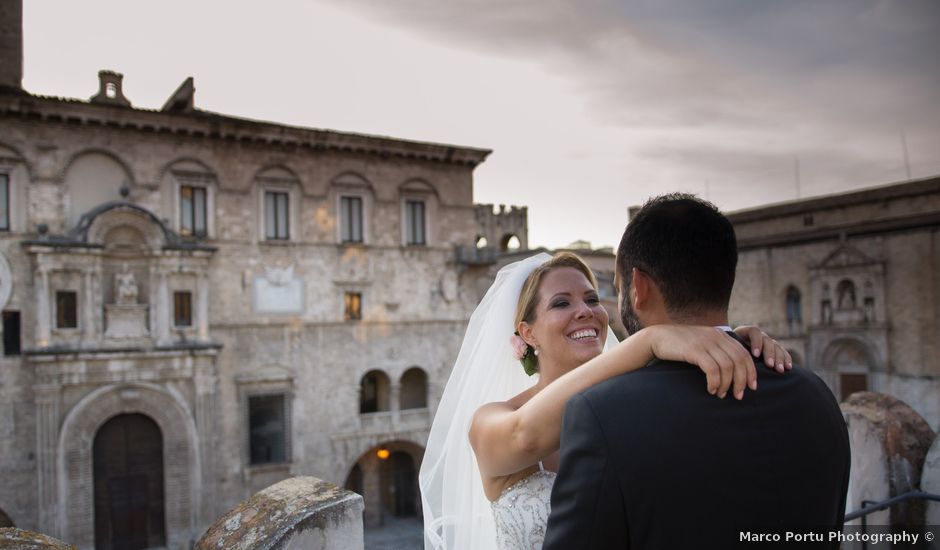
{"type": "Point", "coordinates": [536, 352]}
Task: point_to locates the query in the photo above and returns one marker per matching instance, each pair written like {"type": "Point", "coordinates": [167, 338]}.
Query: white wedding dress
{"type": "Point", "coordinates": [521, 511]}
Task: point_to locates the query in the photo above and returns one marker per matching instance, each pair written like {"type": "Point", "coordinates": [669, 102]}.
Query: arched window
{"type": "Point", "coordinates": [414, 389]}
{"type": "Point", "coordinates": [845, 293]}
{"type": "Point", "coordinates": [373, 392]}
{"type": "Point", "coordinates": [794, 311]}
{"type": "Point", "coordinates": [509, 242]}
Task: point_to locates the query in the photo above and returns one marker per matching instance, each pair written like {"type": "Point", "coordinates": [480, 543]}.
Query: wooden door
{"type": "Point", "coordinates": [128, 470]}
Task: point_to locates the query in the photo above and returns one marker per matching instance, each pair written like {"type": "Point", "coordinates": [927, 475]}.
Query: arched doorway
{"type": "Point", "coordinates": [387, 478]}
{"type": "Point", "coordinates": [398, 479]}
{"type": "Point", "coordinates": [374, 392]}
{"type": "Point", "coordinates": [852, 361]}
{"type": "Point", "coordinates": [128, 484]}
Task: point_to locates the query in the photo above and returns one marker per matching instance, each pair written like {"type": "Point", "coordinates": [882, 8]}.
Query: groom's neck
{"type": "Point", "coordinates": [712, 318]}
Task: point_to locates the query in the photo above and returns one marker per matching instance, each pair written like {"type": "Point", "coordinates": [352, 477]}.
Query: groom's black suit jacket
{"type": "Point", "coordinates": [650, 460]}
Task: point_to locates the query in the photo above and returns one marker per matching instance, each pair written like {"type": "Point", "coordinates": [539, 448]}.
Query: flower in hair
{"type": "Point", "coordinates": [519, 347]}
{"type": "Point", "coordinates": [524, 353]}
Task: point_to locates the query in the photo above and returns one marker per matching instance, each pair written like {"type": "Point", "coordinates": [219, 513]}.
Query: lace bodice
{"type": "Point", "coordinates": [521, 512]}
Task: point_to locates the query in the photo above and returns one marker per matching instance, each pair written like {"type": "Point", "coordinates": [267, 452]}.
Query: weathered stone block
{"type": "Point", "coordinates": [18, 539]}
{"type": "Point", "coordinates": [300, 512]}
{"type": "Point", "coordinates": [889, 442]}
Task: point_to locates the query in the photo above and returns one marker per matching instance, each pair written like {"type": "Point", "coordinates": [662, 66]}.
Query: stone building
{"type": "Point", "coordinates": [850, 283]}
{"type": "Point", "coordinates": [196, 306]}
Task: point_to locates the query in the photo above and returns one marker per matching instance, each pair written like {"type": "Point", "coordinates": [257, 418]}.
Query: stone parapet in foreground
{"type": "Point", "coordinates": [300, 512]}
{"type": "Point", "coordinates": [18, 539]}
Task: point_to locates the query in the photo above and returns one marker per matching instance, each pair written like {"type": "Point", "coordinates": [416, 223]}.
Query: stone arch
{"type": "Point", "coordinates": [187, 164]}
{"type": "Point", "coordinates": [97, 225]}
{"type": "Point", "coordinates": [374, 392]}
{"type": "Point", "coordinates": [383, 484]}
{"type": "Point", "coordinates": [277, 172]}
{"type": "Point", "coordinates": [417, 185]}
{"type": "Point", "coordinates": [506, 242]}
{"type": "Point", "coordinates": [180, 457]}
{"type": "Point", "coordinates": [851, 360]}
{"type": "Point", "coordinates": [9, 152]}
{"type": "Point", "coordinates": [414, 389]}
{"type": "Point", "coordinates": [352, 179]}
{"type": "Point", "coordinates": [93, 177]}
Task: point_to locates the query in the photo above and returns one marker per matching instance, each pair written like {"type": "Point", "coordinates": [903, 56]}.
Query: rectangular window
{"type": "Point", "coordinates": [183, 309]}
{"type": "Point", "coordinates": [276, 215]}
{"type": "Point", "coordinates": [66, 309]}
{"type": "Point", "coordinates": [267, 429]}
{"type": "Point", "coordinates": [414, 223]}
{"type": "Point", "coordinates": [4, 202]}
{"type": "Point", "coordinates": [353, 306]}
{"type": "Point", "coordinates": [11, 332]}
{"type": "Point", "coordinates": [351, 219]}
{"type": "Point", "coordinates": [193, 211]}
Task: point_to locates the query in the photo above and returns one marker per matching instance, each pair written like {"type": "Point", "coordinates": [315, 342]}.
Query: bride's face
{"type": "Point", "coordinates": [570, 324]}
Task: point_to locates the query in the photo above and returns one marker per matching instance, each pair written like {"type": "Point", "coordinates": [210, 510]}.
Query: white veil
{"type": "Point", "coordinates": [457, 515]}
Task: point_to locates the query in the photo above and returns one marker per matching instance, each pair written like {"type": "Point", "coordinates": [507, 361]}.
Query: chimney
{"type": "Point", "coordinates": [11, 45]}
{"type": "Point", "coordinates": [110, 91]}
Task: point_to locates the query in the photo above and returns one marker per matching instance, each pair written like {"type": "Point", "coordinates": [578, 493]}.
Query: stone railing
{"type": "Point", "coordinates": [300, 512]}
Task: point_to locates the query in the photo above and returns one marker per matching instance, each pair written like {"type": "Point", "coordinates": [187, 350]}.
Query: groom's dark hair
{"type": "Point", "coordinates": [687, 247]}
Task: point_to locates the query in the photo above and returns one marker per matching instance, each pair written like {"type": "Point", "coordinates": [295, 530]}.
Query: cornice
{"type": "Point", "coordinates": [200, 124]}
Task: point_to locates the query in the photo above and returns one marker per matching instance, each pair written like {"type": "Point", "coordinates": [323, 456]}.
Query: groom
{"type": "Point", "coordinates": [650, 460]}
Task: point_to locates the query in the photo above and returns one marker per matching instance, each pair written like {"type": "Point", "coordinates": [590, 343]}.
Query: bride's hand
{"type": "Point", "coordinates": [774, 354]}
{"type": "Point", "coordinates": [725, 362]}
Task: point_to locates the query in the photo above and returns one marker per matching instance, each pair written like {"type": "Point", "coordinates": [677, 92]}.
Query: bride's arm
{"type": "Point", "coordinates": [506, 440]}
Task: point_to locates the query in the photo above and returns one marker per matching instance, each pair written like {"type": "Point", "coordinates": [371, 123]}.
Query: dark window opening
{"type": "Point", "coordinates": [11, 332]}
{"type": "Point", "coordinates": [267, 427]}
{"type": "Point", "coordinates": [66, 309]}
{"type": "Point", "coordinates": [276, 215]}
{"type": "Point", "coordinates": [351, 219]}
{"type": "Point", "coordinates": [415, 233]}
{"type": "Point", "coordinates": [183, 309]}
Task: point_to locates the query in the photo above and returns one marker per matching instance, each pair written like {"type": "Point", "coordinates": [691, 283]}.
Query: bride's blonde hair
{"type": "Point", "coordinates": [529, 297]}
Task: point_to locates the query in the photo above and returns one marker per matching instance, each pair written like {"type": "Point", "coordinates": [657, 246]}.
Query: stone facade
{"type": "Point", "coordinates": [850, 284]}
{"type": "Point", "coordinates": [221, 278]}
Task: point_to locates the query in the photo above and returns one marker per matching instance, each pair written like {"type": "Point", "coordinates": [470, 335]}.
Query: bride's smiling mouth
{"type": "Point", "coordinates": [584, 335]}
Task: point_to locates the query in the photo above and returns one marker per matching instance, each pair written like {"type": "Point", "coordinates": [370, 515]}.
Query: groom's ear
{"type": "Point", "coordinates": [642, 287]}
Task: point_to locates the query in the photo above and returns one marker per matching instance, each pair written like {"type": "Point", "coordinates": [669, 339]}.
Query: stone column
{"type": "Point", "coordinates": [205, 426]}
{"type": "Point", "coordinates": [89, 302]}
{"type": "Point", "coordinates": [43, 311]}
{"type": "Point", "coordinates": [395, 405]}
{"type": "Point", "coordinates": [47, 430]}
{"type": "Point", "coordinates": [202, 309]}
{"type": "Point", "coordinates": [161, 305]}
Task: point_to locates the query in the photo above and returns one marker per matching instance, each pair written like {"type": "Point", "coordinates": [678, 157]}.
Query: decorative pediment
{"type": "Point", "coordinates": [846, 255]}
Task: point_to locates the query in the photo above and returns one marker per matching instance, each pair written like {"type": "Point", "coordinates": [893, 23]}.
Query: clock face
{"type": "Point", "coordinates": [6, 281]}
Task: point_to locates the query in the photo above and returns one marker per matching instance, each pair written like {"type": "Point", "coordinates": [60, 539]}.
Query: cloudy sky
{"type": "Point", "coordinates": [590, 106]}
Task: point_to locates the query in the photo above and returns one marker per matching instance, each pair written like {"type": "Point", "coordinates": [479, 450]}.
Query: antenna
{"type": "Point", "coordinates": [796, 174]}
{"type": "Point", "coordinates": [907, 160]}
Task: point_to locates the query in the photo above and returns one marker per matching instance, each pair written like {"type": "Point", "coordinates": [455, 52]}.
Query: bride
{"type": "Point", "coordinates": [492, 451]}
